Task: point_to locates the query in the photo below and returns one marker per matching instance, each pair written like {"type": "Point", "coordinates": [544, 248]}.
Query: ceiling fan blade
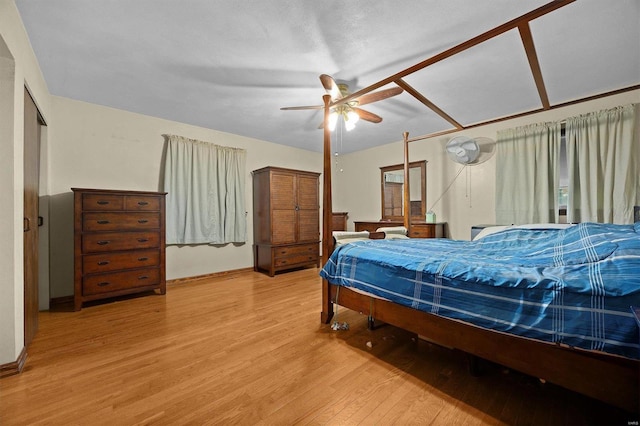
{"type": "Point", "coordinates": [330, 86]}
{"type": "Point", "coordinates": [379, 95]}
{"type": "Point", "coordinates": [367, 116]}
{"type": "Point", "coordinates": [302, 107]}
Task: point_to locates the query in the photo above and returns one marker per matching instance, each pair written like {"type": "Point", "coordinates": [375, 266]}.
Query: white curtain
{"type": "Point", "coordinates": [602, 149]}
{"type": "Point", "coordinates": [527, 174]}
{"type": "Point", "coordinates": [206, 192]}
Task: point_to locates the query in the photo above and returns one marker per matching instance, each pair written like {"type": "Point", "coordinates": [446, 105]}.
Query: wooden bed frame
{"type": "Point", "coordinates": [609, 378]}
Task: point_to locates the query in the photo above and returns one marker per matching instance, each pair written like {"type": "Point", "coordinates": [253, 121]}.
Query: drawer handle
{"type": "Point", "coordinates": [103, 284]}
{"type": "Point", "coordinates": [142, 259]}
{"type": "Point", "coordinates": [103, 262]}
{"type": "Point", "coordinates": [143, 240]}
{"type": "Point", "coordinates": [103, 242]}
{"type": "Point", "coordinates": [103, 203]}
{"type": "Point", "coordinates": [142, 203]}
{"type": "Point", "coordinates": [143, 277]}
{"type": "Point", "coordinates": [103, 222]}
{"type": "Point", "coordinates": [143, 221]}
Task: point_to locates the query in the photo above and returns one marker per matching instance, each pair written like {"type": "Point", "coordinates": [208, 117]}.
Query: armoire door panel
{"type": "Point", "coordinates": [308, 225]}
{"type": "Point", "coordinates": [308, 197]}
{"type": "Point", "coordinates": [282, 191]}
{"type": "Point", "coordinates": [283, 228]}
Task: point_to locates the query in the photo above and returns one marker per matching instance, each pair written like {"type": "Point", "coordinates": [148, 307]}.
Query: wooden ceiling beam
{"type": "Point", "coordinates": [419, 96]}
{"type": "Point", "coordinates": [532, 56]}
{"type": "Point", "coordinates": [524, 114]}
{"type": "Point", "coordinates": [507, 26]}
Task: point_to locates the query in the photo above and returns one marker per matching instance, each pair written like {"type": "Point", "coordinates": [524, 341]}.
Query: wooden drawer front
{"type": "Point", "coordinates": [106, 283]}
{"type": "Point", "coordinates": [422, 231]}
{"type": "Point", "coordinates": [107, 262]}
{"type": "Point", "coordinates": [116, 241]}
{"type": "Point", "coordinates": [299, 259]}
{"type": "Point", "coordinates": [120, 221]}
{"type": "Point", "coordinates": [102, 202]}
{"type": "Point", "coordinates": [142, 202]}
{"type": "Point", "coordinates": [279, 252]}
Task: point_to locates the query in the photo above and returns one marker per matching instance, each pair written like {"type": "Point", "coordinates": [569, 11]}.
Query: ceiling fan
{"type": "Point", "coordinates": [349, 111]}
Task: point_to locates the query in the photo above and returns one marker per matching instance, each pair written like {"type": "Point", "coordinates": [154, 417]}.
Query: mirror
{"type": "Point", "coordinates": [392, 191]}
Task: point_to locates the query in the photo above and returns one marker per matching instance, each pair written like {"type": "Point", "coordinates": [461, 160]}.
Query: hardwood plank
{"type": "Point", "coordinates": [249, 349]}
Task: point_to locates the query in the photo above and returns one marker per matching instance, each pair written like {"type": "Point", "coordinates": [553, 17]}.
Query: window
{"type": "Point", "coordinates": [206, 192]}
{"type": "Point", "coordinates": [586, 170]}
{"type": "Point", "coordinates": [603, 156]}
{"type": "Point", "coordinates": [563, 184]}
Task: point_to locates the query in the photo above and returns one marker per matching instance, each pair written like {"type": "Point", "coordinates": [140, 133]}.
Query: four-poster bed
{"type": "Point", "coordinates": [608, 377]}
{"type": "Point", "coordinates": [604, 376]}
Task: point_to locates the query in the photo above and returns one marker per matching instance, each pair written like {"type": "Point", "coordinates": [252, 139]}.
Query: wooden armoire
{"type": "Point", "coordinates": [286, 219]}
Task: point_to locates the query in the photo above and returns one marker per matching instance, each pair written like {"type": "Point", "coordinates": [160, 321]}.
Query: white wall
{"type": "Point", "coordinates": [471, 198]}
{"type": "Point", "coordinates": [18, 67]}
{"type": "Point", "coordinates": [98, 147]}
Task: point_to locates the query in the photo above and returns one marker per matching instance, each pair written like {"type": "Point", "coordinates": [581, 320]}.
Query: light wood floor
{"type": "Point", "coordinates": [248, 349]}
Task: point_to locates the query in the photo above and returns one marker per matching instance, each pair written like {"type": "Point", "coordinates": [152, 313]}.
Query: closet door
{"type": "Point", "coordinates": [30, 221]}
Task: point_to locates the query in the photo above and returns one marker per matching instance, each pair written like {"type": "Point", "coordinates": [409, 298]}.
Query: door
{"type": "Point", "coordinates": [32, 124]}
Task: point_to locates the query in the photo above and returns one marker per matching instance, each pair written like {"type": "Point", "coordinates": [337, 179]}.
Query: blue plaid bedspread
{"type": "Point", "coordinates": [572, 286]}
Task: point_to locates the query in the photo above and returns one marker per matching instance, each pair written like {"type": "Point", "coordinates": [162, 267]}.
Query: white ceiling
{"type": "Point", "coordinates": [230, 65]}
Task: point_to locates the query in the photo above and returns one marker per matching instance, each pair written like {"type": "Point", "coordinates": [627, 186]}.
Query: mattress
{"type": "Point", "coordinates": [572, 286]}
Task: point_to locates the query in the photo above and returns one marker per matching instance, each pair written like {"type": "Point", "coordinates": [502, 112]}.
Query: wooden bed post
{"type": "Point", "coordinates": [407, 194]}
{"type": "Point", "coordinates": [327, 235]}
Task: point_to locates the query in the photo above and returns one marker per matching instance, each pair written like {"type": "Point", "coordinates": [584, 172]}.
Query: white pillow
{"type": "Point", "coordinates": [395, 237]}
{"type": "Point", "coordinates": [493, 229]}
{"type": "Point", "coordinates": [349, 240]}
{"type": "Point", "coordinates": [490, 230]}
{"type": "Point", "coordinates": [343, 235]}
{"type": "Point", "coordinates": [542, 226]}
{"type": "Point", "coordinates": [397, 230]}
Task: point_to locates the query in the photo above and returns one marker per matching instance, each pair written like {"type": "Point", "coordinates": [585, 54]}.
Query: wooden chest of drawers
{"type": "Point", "coordinates": [119, 243]}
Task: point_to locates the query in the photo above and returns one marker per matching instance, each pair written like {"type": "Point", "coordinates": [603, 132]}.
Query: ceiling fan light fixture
{"type": "Point", "coordinates": [350, 110]}
{"type": "Point", "coordinates": [349, 125]}
{"type": "Point", "coordinates": [352, 117]}
{"type": "Point", "coordinates": [333, 120]}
